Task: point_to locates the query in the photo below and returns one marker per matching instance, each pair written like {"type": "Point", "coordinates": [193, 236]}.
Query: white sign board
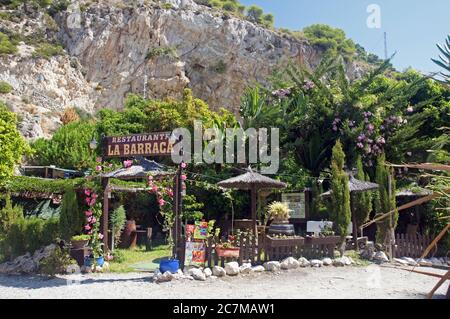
{"type": "Point", "coordinates": [317, 227]}
{"type": "Point", "coordinates": [296, 203]}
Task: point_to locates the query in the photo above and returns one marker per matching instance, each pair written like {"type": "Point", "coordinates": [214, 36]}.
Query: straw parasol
{"type": "Point", "coordinates": [356, 186]}
{"type": "Point", "coordinates": [252, 181]}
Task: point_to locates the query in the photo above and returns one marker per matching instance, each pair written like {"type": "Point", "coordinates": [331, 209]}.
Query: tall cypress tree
{"type": "Point", "coordinates": [361, 202]}
{"type": "Point", "coordinates": [340, 197]}
{"type": "Point", "coordinates": [71, 218]}
{"type": "Point", "coordinates": [385, 200]}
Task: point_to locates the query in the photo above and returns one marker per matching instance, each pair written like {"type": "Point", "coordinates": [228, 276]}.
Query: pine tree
{"type": "Point", "coordinates": [340, 197]}
{"type": "Point", "coordinates": [9, 214]}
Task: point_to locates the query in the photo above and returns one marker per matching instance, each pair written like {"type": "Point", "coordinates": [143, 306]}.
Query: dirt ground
{"type": "Point", "coordinates": [370, 282]}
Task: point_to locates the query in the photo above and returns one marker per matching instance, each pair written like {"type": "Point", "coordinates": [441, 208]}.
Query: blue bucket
{"type": "Point", "coordinates": [100, 261]}
{"type": "Point", "coordinates": [171, 265]}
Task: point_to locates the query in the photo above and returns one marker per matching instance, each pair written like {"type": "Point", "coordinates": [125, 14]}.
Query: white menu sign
{"type": "Point", "coordinates": [296, 203]}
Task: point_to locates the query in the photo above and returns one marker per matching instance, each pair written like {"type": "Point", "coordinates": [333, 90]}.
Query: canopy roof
{"type": "Point", "coordinates": [414, 192]}
{"type": "Point", "coordinates": [356, 186]}
{"type": "Point", "coordinates": [142, 170]}
{"type": "Point", "coordinates": [251, 179]}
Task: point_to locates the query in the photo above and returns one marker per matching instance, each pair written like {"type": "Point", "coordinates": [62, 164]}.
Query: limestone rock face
{"type": "Point", "coordinates": [113, 48]}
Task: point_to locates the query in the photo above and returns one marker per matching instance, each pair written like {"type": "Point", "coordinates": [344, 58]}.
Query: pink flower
{"type": "Point", "coordinates": [87, 227]}
{"type": "Point", "coordinates": [183, 165]}
{"type": "Point", "coordinates": [162, 202]}
{"type": "Point", "coordinates": [127, 163]}
{"type": "Point", "coordinates": [93, 220]}
{"type": "Point", "coordinates": [360, 145]}
{"type": "Point", "coordinates": [183, 177]}
{"type": "Point", "coordinates": [87, 192]}
{"type": "Point", "coordinates": [98, 168]}
{"type": "Point", "coordinates": [150, 178]}
{"type": "Point", "coordinates": [88, 213]}
{"type": "Point", "coordinates": [110, 165]}
{"type": "Point", "coordinates": [100, 236]}
{"type": "Point", "coordinates": [169, 192]}
{"type": "Point", "coordinates": [155, 188]}
{"type": "Point", "coordinates": [94, 195]}
{"type": "Point", "coordinates": [410, 109]}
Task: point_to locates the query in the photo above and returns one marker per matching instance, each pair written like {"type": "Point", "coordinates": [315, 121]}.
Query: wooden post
{"type": "Point", "coordinates": [254, 195]}
{"type": "Point", "coordinates": [105, 219]}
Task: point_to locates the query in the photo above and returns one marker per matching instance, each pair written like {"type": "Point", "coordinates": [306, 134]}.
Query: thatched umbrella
{"type": "Point", "coordinates": [252, 181]}
{"type": "Point", "coordinates": [355, 186]}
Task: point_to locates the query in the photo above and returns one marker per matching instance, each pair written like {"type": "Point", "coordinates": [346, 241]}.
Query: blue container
{"type": "Point", "coordinates": [100, 261]}
{"type": "Point", "coordinates": [171, 265]}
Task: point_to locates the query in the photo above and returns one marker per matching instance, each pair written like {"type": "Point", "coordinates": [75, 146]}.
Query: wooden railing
{"type": "Point", "coordinates": [411, 245]}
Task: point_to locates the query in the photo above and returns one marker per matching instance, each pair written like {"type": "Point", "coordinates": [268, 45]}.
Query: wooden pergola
{"type": "Point", "coordinates": [140, 171]}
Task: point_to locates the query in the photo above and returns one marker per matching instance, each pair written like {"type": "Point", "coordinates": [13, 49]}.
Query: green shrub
{"type": "Point", "coordinates": [7, 46]}
{"type": "Point", "coordinates": [57, 151]}
{"type": "Point", "coordinates": [5, 87]}
{"type": "Point", "coordinates": [56, 263]}
{"type": "Point", "coordinates": [9, 215]}
{"type": "Point", "coordinates": [118, 219]}
{"type": "Point", "coordinates": [28, 235]}
{"type": "Point", "coordinates": [47, 50]}
{"type": "Point", "coordinates": [71, 218]}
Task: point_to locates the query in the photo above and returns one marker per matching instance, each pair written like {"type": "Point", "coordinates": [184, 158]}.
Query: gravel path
{"type": "Point", "coordinates": [350, 282]}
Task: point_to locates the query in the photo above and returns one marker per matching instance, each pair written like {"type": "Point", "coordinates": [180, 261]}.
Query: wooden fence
{"type": "Point", "coordinates": [411, 245]}
{"type": "Point", "coordinates": [268, 248]}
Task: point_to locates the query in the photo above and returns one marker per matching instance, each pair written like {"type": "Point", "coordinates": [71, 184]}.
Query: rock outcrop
{"type": "Point", "coordinates": [156, 49]}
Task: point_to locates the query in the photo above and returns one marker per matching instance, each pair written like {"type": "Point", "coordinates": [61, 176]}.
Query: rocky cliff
{"type": "Point", "coordinates": [155, 49]}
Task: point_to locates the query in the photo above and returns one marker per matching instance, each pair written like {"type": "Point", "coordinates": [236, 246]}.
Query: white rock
{"type": "Point", "coordinates": [381, 257]}
{"type": "Point", "coordinates": [188, 277]}
{"type": "Point", "coordinates": [327, 262]}
{"type": "Point", "coordinates": [245, 269]}
{"type": "Point", "coordinates": [98, 269]}
{"type": "Point", "coordinates": [436, 262]}
{"type": "Point", "coordinates": [339, 262]}
{"type": "Point", "coordinates": [304, 262]}
{"type": "Point", "coordinates": [232, 268]}
{"type": "Point", "coordinates": [400, 261]}
{"type": "Point", "coordinates": [198, 274]}
{"type": "Point", "coordinates": [213, 277]}
{"type": "Point", "coordinates": [105, 266]}
{"type": "Point", "coordinates": [316, 263]}
{"type": "Point", "coordinates": [258, 269]}
{"type": "Point", "coordinates": [272, 266]}
{"type": "Point", "coordinates": [73, 269]}
{"type": "Point", "coordinates": [290, 263]}
{"type": "Point", "coordinates": [166, 277]}
{"type": "Point", "coordinates": [424, 262]}
{"type": "Point", "coordinates": [207, 272]}
{"type": "Point", "coordinates": [349, 261]}
{"type": "Point", "coordinates": [218, 271]}
{"type": "Point", "coordinates": [410, 261]}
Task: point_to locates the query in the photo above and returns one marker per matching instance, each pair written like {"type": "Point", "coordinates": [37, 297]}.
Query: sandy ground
{"type": "Point", "coordinates": [326, 283]}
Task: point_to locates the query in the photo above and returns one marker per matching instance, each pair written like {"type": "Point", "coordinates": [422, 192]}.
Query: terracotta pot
{"type": "Point", "coordinates": [78, 244]}
{"type": "Point", "coordinates": [227, 252]}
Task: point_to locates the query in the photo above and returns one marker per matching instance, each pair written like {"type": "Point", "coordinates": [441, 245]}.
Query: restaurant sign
{"type": "Point", "coordinates": [148, 144]}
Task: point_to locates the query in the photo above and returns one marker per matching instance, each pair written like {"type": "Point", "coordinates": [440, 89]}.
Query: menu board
{"type": "Point", "coordinates": [201, 230]}
{"type": "Point", "coordinates": [195, 254]}
{"type": "Point", "coordinates": [296, 203]}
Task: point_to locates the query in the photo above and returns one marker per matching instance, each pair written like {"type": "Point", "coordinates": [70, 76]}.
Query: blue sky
{"type": "Point", "coordinates": [413, 26]}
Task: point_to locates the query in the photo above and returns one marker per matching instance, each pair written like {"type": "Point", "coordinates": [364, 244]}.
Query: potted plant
{"type": "Point", "coordinates": [228, 249]}
{"type": "Point", "coordinates": [279, 214]}
{"type": "Point", "coordinates": [79, 241]}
